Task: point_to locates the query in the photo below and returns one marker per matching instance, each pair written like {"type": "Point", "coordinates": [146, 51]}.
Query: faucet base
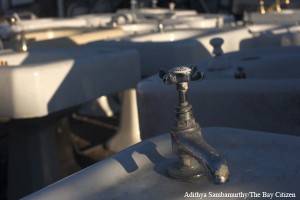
{"type": "Point", "coordinates": [186, 173]}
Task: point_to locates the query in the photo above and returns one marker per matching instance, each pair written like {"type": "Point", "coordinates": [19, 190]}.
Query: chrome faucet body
{"type": "Point", "coordinates": [22, 45]}
{"type": "Point", "coordinates": [196, 156]}
{"type": "Point", "coordinates": [160, 26]}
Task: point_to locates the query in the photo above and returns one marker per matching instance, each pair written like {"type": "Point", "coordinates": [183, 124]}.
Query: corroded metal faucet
{"type": "Point", "coordinates": [196, 156]}
{"type": "Point", "coordinates": [118, 19]}
{"type": "Point", "coordinates": [22, 45]}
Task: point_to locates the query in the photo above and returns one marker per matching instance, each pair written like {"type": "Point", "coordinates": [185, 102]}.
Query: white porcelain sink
{"type": "Point", "coordinates": [199, 21]}
{"type": "Point", "coordinates": [52, 33]}
{"type": "Point", "coordinates": [143, 13]}
{"type": "Point", "coordinates": [264, 63]}
{"type": "Point", "coordinates": [42, 23]}
{"type": "Point", "coordinates": [96, 20]}
{"type": "Point", "coordinates": [285, 16]}
{"type": "Point", "coordinates": [270, 67]}
{"type": "Point", "coordinates": [41, 87]}
{"type": "Point", "coordinates": [182, 46]}
{"type": "Point", "coordinates": [161, 12]}
{"type": "Point", "coordinates": [139, 28]}
{"type": "Point", "coordinates": [37, 83]}
{"type": "Point", "coordinates": [266, 100]}
{"type": "Point", "coordinates": [139, 172]}
{"type": "Point", "coordinates": [161, 50]}
{"type": "Point", "coordinates": [173, 35]}
{"type": "Point", "coordinates": [84, 37]}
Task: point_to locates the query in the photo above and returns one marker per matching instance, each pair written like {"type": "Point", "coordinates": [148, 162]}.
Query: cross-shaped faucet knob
{"type": "Point", "coordinates": [178, 75]}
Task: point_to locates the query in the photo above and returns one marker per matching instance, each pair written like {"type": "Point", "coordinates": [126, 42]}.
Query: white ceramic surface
{"type": "Point", "coordinates": [258, 162]}
{"type": "Point", "coordinates": [285, 16]}
{"type": "Point", "coordinates": [264, 63]}
{"type": "Point", "coordinates": [266, 100]}
{"type": "Point", "coordinates": [52, 33]}
{"type": "Point", "coordinates": [82, 38]}
{"type": "Point", "coordinates": [41, 23]}
{"type": "Point", "coordinates": [90, 20]}
{"type": "Point", "coordinates": [177, 47]}
{"type": "Point", "coordinates": [157, 13]}
{"type": "Point", "coordinates": [199, 21]}
{"type": "Point", "coordinates": [170, 49]}
{"type": "Point", "coordinates": [171, 36]}
{"type": "Point", "coordinates": [37, 83]}
{"type": "Point", "coordinates": [139, 28]}
{"type": "Point", "coordinates": [96, 20]}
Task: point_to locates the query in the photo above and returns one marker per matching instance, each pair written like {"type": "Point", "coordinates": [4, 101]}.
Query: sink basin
{"type": "Point", "coordinates": [44, 23]}
{"type": "Point", "coordinates": [55, 26]}
{"type": "Point", "coordinates": [199, 21]}
{"type": "Point", "coordinates": [162, 13]}
{"type": "Point", "coordinates": [182, 46]}
{"type": "Point", "coordinates": [175, 47]}
{"type": "Point", "coordinates": [96, 20]}
{"type": "Point", "coordinates": [139, 172]}
{"type": "Point", "coordinates": [143, 13]}
{"type": "Point", "coordinates": [41, 82]}
{"type": "Point", "coordinates": [139, 28]}
{"type": "Point", "coordinates": [81, 38]}
{"type": "Point", "coordinates": [46, 34]}
{"type": "Point", "coordinates": [171, 36]}
{"type": "Point", "coordinates": [40, 87]}
{"type": "Point", "coordinates": [285, 16]}
{"type": "Point", "coordinates": [256, 104]}
{"type": "Point", "coordinates": [281, 67]}
{"type": "Point", "coordinates": [267, 95]}
{"type": "Point", "coordinates": [265, 63]}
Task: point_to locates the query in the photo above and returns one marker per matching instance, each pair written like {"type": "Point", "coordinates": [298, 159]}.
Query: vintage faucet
{"type": "Point", "coordinates": [117, 19]}
{"type": "Point", "coordinates": [22, 45]}
{"type": "Point", "coordinates": [275, 6]}
{"type": "Point", "coordinates": [195, 155]}
{"type": "Point", "coordinates": [160, 26]}
{"type": "Point", "coordinates": [17, 32]}
{"type": "Point", "coordinates": [262, 8]}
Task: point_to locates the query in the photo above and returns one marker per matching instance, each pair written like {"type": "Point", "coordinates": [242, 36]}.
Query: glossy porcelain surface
{"type": "Point", "coordinates": [40, 82]}
{"type": "Point", "coordinates": [264, 63]}
{"type": "Point", "coordinates": [139, 172]}
{"type": "Point", "coordinates": [47, 34]}
{"type": "Point", "coordinates": [199, 21]}
{"type": "Point", "coordinates": [96, 20]}
{"type": "Point", "coordinates": [84, 37]}
{"type": "Point", "coordinates": [288, 16]}
{"type": "Point", "coordinates": [157, 13]}
{"type": "Point", "coordinates": [184, 46]}
{"type": "Point", "coordinates": [41, 23]}
{"type": "Point", "coordinates": [266, 94]}
{"type": "Point", "coordinates": [171, 35]}
{"type": "Point", "coordinates": [139, 28]}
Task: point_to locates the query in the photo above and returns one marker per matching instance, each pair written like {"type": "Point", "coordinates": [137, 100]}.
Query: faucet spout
{"type": "Point", "coordinates": [195, 153]}
{"type": "Point", "coordinates": [195, 156]}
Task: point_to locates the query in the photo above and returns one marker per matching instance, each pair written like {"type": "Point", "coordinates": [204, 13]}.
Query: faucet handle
{"type": "Point", "coordinates": [180, 75]}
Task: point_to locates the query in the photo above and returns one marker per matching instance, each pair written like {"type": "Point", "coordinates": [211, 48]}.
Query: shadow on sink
{"type": "Point", "coordinates": [149, 150]}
